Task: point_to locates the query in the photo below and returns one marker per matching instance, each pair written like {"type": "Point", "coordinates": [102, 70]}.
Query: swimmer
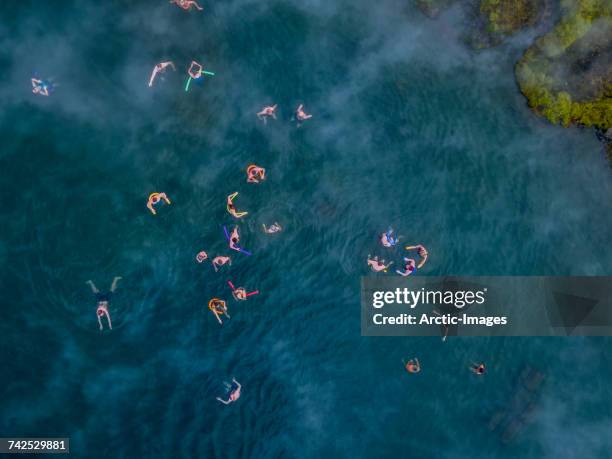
{"type": "Point", "coordinates": [40, 87]}
{"type": "Point", "coordinates": [186, 4]}
{"type": "Point", "coordinates": [103, 300]}
{"type": "Point", "coordinates": [234, 239]}
{"type": "Point", "coordinates": [273, 228]}
{"type": "Point", "coordinates": [409, 268]}
{"type": "Point", "coordinates": [478, 368]}
{"type": "Point", "coordinates": [201, 256]}
{"type": "Point", "coordinates": [240, 293]}
{"type": "Point", "coordinates": [219, 261]}
{"type": "Point", "coordinates": [218, 308]}
{"type": "Point", "coordinates": [195, 70]}
{"type": "Point", "coordinates": [378, 265]}
{"type": "Point", "coordinates": [300, 114]}
{"type": "Point", "coordinates": [234, 394]}
{"type": "Point", "coordinates": [232, 209]}
{"type": "Point", "coordinates": [421, 251]}
{"type": "Point", "coordinates": [255, 174]}
{"type": "Point", "coordinates": [159, 68]}
{"type": "Point", "coordinates": [413, 365]}
{"type": "Point", "coordinates": [267, 112]}
{"type": "Point", "coordinates": [156, 198]}
{"type": "Point", "coordinates": [388, 240]}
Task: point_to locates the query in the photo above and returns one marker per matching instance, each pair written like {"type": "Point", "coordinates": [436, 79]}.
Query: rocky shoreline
{"type": "Point", "coordinates": [566, 74]}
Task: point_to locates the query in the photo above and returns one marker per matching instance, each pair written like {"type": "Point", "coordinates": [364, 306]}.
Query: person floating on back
{"type": "Point", "coordinates": [103, 300]}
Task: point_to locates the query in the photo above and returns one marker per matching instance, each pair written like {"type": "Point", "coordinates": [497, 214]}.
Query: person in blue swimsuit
{"type": "Point", "coordinates": [388, 240]}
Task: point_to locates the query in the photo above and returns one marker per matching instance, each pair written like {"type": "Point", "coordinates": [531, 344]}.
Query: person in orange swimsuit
{"type": "Point", "coordinates": [218, 308]}
{"type": "Point", "coordinates": [156, 198]}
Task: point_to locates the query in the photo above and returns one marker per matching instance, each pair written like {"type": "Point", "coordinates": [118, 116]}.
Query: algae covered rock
{"type": "Point", "coordinates": [566, 75]}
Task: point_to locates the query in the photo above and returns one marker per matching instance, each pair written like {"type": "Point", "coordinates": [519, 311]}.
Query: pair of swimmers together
{"type": "Point", "coordinates": [270, 112]}
{"type": "Point", "coordinates": [219, 307]}
{"type": "Point", "coordinates": [410, 264]}
{"type": "Point", "coordinates": [413, 366]}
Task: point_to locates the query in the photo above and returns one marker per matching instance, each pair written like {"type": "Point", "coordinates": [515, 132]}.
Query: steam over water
{"type": "Point", "coordinates": [410, 129]}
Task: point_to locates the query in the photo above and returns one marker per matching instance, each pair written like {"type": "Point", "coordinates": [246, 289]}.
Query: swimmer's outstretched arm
{"type": "Point", "coordinates": [150, 207]}
{"type": "Point", "coordinates": [114, 284]}
{"type": "Point", "coordinates": [224, 401]}
{"type": "Point", "coordinates": [165, 198]}
{"type": "Point", "coordinates": [237, 383]}
{"type": "Point", "coordinates": [93, 286]}
{"type": "Point", "coordinates": [110, 325]}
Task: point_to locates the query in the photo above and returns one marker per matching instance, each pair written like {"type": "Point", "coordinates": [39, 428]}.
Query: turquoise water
{"type": "Point", "coordinates": [410, 129]}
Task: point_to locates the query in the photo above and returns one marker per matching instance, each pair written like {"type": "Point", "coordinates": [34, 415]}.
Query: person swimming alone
{"type": "Point", "coordinates": [201, 257]}
{"type": "Point", "coordinates": [156, 198]}
{"type": "Point", "coordinates": [422, 251]}
{"type": "Point", "coordinates": [267, 112]}
{"type": "Point", "coordinates": [103, 301]}
{"type": "Point", "coordinates": [231, 208]}
{"type": "Point", "coordinates": [409, 267]}
{"type": "Point", "coordinates": [255, 174]}
{"type": "Point", "coordinates": [186, 4]}
{"type": "Point", "coordinates": [219, 261]}
{"type": "Point", "coordinates": [378, 265]}
{"type": "Point", "coordinates": [413, 365]}
{"type": "Point", "coordinates": [273, 228]}
{"type": "Point", "coordinates": [234, 392]}
{"type": "Point", "coordinates": [478, 368]}
{"type": "Point", "coordinates": [218, 308]}
{"type": "Point", "coordinates": [41, 87]}
{"type": "Point", "coordinates": [159, 68]}
{"type": "Point", "coordinates": [300, 114]}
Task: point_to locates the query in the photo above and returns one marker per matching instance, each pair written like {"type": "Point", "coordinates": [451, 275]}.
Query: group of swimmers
{"type": "Point", "coordinates": [388, 240]}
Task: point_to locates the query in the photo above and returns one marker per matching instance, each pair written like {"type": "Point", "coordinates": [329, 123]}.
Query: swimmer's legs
{"type": "Point", "coordinates": [93, 286]}
{"type": "Point", "coordinates": [114, 284]}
